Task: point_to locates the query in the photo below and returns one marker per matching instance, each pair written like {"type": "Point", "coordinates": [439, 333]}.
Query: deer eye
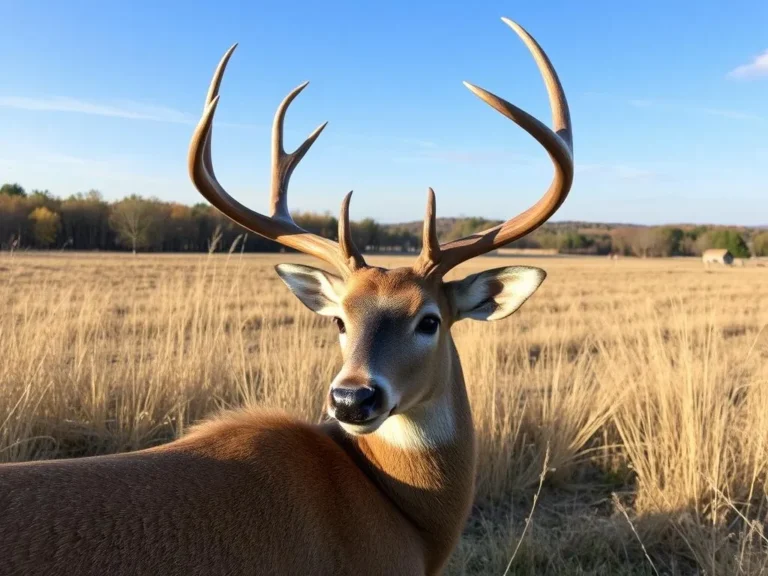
{"type": "Point", "coordinates": [428, 325]}
{"type": "Point", "coordinates": [340, 325]}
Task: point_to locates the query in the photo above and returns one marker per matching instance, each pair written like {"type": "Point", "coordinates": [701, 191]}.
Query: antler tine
{"type": "Point", "coordinates": [558, 143]}
{"type": "Point", "coordinates": [346, 244]}
{"type": "Point", "coordinates": [430, 246]}
{"type": "Point", "coordinates": [283, 163]}
{"type": "Point", "coordinates": [280, 227]}
{"type": "Point", "coordinates": [213, 92]}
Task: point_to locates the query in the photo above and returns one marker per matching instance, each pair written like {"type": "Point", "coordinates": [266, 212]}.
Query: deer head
{"type": "Point", "coordinates": [394, 324]}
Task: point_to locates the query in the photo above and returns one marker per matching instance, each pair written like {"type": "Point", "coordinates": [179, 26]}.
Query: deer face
{"type": "Point", "coordinates": [394, 331]}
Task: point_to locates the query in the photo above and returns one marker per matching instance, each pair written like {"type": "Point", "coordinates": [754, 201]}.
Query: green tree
{"type": "Point", "coordinates": [727, 239]}
{"type": "Point", "coordinates": [697, 231]}
{"type": "Point", "coordinates": [466, 227]}
{"type": "Point", "coordinates": [669, 241]}
{"type": "Point", "coordinates": [760, 244]}
{"type": "Point", "coordinates": [13, 190]}
{"type": "Point", "coordinates": [45, 227]}
{"type": "Point", "coordinates": [572, 241]}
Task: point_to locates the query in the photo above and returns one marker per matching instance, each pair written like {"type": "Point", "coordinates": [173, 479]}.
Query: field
{"type": "Point", "coordinates": [639, 388]}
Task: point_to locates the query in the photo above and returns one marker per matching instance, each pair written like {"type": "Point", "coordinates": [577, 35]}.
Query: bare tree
{"type": "Point", "coordinates": [135, 221]}
{"type": "Point", "coordinates": [643, 242]}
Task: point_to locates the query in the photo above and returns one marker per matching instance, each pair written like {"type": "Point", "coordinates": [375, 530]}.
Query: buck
{"type": "Point", "coordinates": [382, 486]}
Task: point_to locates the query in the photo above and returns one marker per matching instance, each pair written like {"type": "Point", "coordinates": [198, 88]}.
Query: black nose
{"type": "Point", "coordinates": [355, 404]}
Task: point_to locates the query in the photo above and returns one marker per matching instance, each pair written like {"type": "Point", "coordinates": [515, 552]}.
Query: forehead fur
{"type": "Point", "coordinates": [400, 288]}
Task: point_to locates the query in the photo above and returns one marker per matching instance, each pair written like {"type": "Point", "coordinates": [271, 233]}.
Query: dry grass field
{"type": "Point", "coordinates": [640, 388]}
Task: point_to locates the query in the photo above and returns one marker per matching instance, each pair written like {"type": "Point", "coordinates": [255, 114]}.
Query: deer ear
{"type": "Point", "coordinates": [317, 289]}
{"type": "Point", "coordinates": [494, 294]}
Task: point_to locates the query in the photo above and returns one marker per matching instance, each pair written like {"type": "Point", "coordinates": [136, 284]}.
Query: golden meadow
{"type": "Point", "coordinates": [621, 414]}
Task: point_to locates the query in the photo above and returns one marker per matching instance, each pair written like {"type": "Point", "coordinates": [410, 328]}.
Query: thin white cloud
{"type": "Point", "coordinates": [122, 109]}
{"type": "Point", "coordinates": [127, 109]}
{"type": "Point", "coordinates": [758, 67]}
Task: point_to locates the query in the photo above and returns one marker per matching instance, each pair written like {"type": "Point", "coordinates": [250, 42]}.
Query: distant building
{"type": "Point", "coordinates": [717, 256]}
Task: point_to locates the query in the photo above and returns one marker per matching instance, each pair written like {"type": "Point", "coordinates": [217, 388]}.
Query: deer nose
{"type": "Point", "coordinates": [355, 404]}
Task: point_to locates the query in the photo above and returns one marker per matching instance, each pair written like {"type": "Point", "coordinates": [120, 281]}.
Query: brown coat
{"type": "Point", "coordinates": [248, 493]}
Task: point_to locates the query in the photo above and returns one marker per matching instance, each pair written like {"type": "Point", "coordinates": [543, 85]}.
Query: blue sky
{"type": "Point", "coordinates": [669, 103]}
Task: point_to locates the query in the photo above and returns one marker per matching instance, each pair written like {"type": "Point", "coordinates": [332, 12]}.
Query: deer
{"type": "Point", "coordinates": [382, 484]}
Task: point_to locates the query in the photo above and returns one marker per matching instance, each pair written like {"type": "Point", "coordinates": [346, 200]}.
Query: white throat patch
{"type": "Point", "coordinates": [423, 428]}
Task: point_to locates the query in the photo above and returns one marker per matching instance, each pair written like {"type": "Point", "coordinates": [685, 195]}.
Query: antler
{"type": "Point", "coordinates": [436, 259]}
{"type": "Point", "coordinates": [279, 226]}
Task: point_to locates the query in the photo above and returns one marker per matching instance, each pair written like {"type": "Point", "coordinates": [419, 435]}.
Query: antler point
{"type": "Point", "coordinates": [474, 88]}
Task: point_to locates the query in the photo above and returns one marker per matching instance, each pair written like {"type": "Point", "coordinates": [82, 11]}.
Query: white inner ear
{"type": "Point", "coordinates": [318, 290]}
{"type": "Point", "coordinates": [474, 298]}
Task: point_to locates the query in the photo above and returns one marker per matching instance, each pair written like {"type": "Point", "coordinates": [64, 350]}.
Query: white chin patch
{"type": "Point", "coordinates": [361, 429]}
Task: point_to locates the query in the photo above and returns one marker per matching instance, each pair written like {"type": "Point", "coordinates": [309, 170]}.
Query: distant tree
{"type": "Point", "coordinates": [602, 244]}
{"type": "Point", "coordinates": [85, 221]}
{"type": "Point", "coordinates": [572, 242]}
{"type": "Point", "coordinates": [15, 226]}
{"type": "Point", "coordinates": [688, 247]}
{"type": "Point", "coordinates": [643, 242]}
{"type": "Point", "coordinates": [179, 230]}
{"type": "Point", "coordinates": [465, 227]}
{"type": "Point", "coordinates": [42, 195]}
{"type": "Point", "coordinates": [45, 227]}
{"type": "Point", "coordinates": [399, 237]}
{"type": "Point", "coordinates": [621, 240]}
{"type": "Point", "coordinates": [726, 239]}
{"type": "Point", "coordinates": [367, 234]}
{"type": "Point", "coordinates": [647, 242]}
{"type": "Point", "coordinates": [697, 231]}
{"type": "Point", "coordinates": [668, 241]}
{"type": "Point", "coordinates": [13, 190]}
{"type": "Point", "coordinates": [760, 244]}
{"type": "Point", "coordinates": [37, 198]}
{"type": "Point", "coordinates": [135, 221]}
{"type": "Point", "coordinates": [548, 240]}
{"type": "Point", "coordinates": [324, 225]}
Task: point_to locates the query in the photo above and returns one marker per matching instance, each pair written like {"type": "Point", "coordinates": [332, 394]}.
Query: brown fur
{"type": "Point", "coordinates": [255, 492]}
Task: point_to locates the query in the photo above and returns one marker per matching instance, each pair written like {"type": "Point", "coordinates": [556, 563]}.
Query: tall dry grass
{"type": "Point", "coordinates": [642, 384]}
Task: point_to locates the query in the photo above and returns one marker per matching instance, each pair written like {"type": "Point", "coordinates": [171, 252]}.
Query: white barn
{"type": "Point", "coordinates": [717, 256]}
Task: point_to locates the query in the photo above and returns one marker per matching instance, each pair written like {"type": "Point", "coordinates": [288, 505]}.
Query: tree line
{"type": "Point", "coordinates": [86, 221]}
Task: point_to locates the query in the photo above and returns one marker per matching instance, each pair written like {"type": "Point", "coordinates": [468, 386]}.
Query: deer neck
{"type": "Point", "coordinates": [424, 462]}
